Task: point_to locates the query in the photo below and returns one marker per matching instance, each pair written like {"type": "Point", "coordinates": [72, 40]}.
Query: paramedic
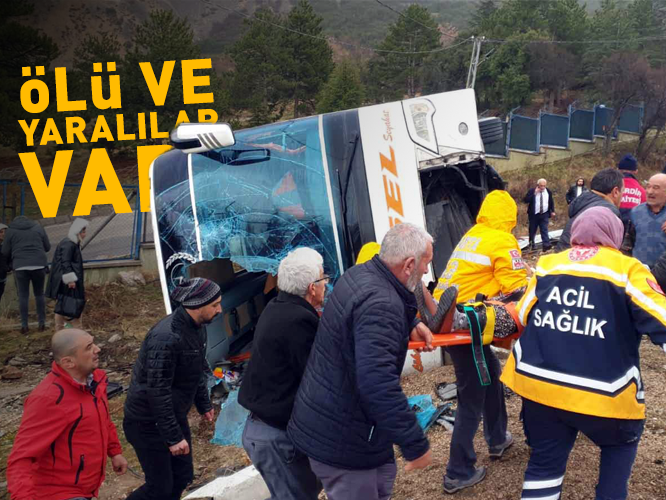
{"type": "Point", "coordinates": [577, 363]}
{"type": "Point", "coordinates": [488, 261]}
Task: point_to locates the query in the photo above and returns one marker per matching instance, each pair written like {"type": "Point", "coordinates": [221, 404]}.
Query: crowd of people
{"type": "Point", "coordinates": [323, 390]}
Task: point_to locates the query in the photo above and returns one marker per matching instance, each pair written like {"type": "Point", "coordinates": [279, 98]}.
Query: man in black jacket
{"type": "Point", "coordinates": [168, 377]}
{"type": "Point", "coordinates": [606, 190]}
{"type": "Point", "coordinates": [350, 409]}
{"type": "Point", "coordinates": [540, 208]}
{"type": "Point", "coordinates": [282, 342]}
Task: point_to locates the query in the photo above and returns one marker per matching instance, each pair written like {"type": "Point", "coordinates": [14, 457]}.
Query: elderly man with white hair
{"type": "Point", "coordinates": [540, 208]}
{"type": "Point", "coordinates": [350, 409]}
{"type": "Point", "coordinates": [283, 339]}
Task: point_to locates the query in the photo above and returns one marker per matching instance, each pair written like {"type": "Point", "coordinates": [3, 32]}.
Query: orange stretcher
{"type": "Point", "coordinates": [461, 337]}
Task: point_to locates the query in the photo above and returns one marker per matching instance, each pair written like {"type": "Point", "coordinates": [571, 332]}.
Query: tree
{"type": "Point", "coordinates": [622, 78]}
{"type": "Point", "coordinates": [20, 46]}
{"type": "Point", "coordinates": [654, 117]}
{"type": "Point", "coordinates": [553, 69]}
{"type": "Point", "coordinates": [401, 68]}
{"type": "Point", "coordinates": [309, 60]}
{"type": "Point", "coordinates": [343, 90]}
{"type": "Point", "coordinates": [483, 13]}
{"type": "Point", "coordinates": [259, 84]}
{"type": "Point", "coordinates": [162, 37]}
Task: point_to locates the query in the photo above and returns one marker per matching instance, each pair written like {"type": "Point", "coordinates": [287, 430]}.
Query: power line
{"type": "Point", "coordinates": [575, 42]}
{"type": "Point", "coordinates": [329, 39]}
{"type": "Point", "coordinates": [413, 20]}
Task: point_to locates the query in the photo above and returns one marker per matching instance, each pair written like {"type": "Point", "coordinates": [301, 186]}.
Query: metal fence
{"type": "Point", "coordinates": [523, 133]}
{"type": "Point", "coordinates": [110, 236]}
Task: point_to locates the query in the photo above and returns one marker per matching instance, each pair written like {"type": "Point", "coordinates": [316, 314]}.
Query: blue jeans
{"type": "Point", "coordinates": [475, 401]}
{"type": "Point", "coordinates": [539, 221]}
{"type": "Point", "coordinates": [551, 433]}
{"type": "Point", "coordinates": [285, 470]}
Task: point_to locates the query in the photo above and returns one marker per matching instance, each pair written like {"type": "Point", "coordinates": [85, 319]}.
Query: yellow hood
{"type": "Point", "coordinates": [498, 211]}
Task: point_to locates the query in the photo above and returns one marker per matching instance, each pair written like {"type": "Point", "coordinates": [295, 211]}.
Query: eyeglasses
{"type": "Point", "coordinates": [327, 279]}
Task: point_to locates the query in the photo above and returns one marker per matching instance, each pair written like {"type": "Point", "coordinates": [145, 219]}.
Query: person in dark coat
{"type": "Point", "coordinates": [350, 409]}
{"type": "Point", "coordinates": [606, 190]}
{"type": "Point", "coordinates": [26, 245]}
{"type": "Point", "coordinates": [67, 271]}
{"type": "Point", "coordinates": [540, 208]}
{"type": "Point", "coordinates": [4, 262]}
{"type": "Point", "coordinates": [576, 190]}
{"type": "Point", "coordinates": [282, 342]}
{"type": "Point", "coordinates": [169, 376]}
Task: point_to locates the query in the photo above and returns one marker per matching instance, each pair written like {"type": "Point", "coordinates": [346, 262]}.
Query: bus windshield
{"type": "Point", "coordinates": [265, 196]}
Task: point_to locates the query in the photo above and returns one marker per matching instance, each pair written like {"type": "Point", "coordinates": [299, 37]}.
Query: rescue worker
{"type": "Point", "coordinates": [487, 260]}
{"type": "Point", "coordinates": [577, 363]}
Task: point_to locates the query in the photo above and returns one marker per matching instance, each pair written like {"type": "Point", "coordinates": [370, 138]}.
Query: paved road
{"type": "Point", "coordinates": [115, 240]}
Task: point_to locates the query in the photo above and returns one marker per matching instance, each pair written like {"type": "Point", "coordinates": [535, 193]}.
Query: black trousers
{"type": "Point", "coordinates": [167, 476]}
{"type": "Point", "coordinates": [540, 221]}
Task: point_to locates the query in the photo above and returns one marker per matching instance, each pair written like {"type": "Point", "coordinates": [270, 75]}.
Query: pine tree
{"type": "Point", "coordinates": [309, 60]}
{"type": "Point", "coordinates": [343, 90]}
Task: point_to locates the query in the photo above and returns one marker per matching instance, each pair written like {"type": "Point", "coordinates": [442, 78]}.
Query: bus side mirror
{"type": "Point", "coordinates": [202, 137]}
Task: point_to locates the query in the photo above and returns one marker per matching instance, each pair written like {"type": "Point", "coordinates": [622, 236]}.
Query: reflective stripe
{"type": "Point", "coordinates": [526, 305]}
{"type": "Point", "coordinates": [588, 383]}
{"type": "Point", "coordinates": [476, 258]}
{"type": "Point", "coordinates": [540, 485]}
{"type": "Point", "coordinates": [646, 301]}
{"type": "Point", "coordinates": [549, 497]}
{"type": "Point", "coordinates": [583, 268]}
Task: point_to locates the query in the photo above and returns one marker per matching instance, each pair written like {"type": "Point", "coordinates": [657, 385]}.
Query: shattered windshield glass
{"type": "Point", "coordinates": [265, 196]}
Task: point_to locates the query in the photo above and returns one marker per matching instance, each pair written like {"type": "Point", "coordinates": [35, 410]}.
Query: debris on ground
{"type": "Point", "coordinates": [230, 422]}
{"type": "Point", "coordinates": [11, 373]}
{"type": "Point", "coordinates": [446, 392]}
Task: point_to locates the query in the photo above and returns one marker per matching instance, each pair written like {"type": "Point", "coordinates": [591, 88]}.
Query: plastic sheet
{"type": "Point", "coordinates": [424, 408]}
{"type": "Point", "coordinates": [230, 423]}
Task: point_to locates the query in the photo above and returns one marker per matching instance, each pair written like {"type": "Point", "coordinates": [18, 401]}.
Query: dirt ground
{"type": "Point", "coordinates": [115, 309]}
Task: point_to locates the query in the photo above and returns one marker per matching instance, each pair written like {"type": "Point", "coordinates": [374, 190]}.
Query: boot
{"type": "Point", "coordinates": [442, 320]}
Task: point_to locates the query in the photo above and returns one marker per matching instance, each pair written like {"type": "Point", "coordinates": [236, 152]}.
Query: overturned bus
{"type": "Point", "coordinates": [332, 182]}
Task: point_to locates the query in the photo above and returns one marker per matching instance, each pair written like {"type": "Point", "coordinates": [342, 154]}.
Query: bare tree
{"type": "Point", "coordinates": [621, 78]}
{"type": "Point", "coordinates": [552, 69]}
{"type": "Point", "coordinates": [654, 117]}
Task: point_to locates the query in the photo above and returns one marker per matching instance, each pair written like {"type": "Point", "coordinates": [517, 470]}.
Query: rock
{"type": "Point", "coordinates": [17, 361]}
{"type": "Point", "coordinates": [115, 338]}
{"type": "Point", "coordinates": [3, 485]}
{"type": "Point", "coordinates": [133, 278]}
{"type": "Point", "coordinates": [11, 373]}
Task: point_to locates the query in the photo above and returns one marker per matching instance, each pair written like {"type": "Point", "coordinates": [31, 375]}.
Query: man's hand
{"type": "Point", "coordinates": [72, 285]}
{"type": "Point", "coordinates": [421, 333]}
{"type": "Point", "coordinates": [663, 227]}
{"type": "Point", "coordinates": [181, 448]}
{"type": "Point", "coordinates": [119, 465]}
{"type": "Point", "coordinates": [420, 463]}
{"type": "Point", "coordinates": [552, 214]}
{"type": "Point", "coordinates": [209, 416]}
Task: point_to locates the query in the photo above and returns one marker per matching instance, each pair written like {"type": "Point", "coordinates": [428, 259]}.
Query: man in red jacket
{"type": "Point", "coordinates": [66, 432]}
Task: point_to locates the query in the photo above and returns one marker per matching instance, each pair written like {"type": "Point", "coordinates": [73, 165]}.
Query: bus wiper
{"type": "Point", "coordinates": [239, 156]}
{"type": "Point", "coordinates": [343, 192]}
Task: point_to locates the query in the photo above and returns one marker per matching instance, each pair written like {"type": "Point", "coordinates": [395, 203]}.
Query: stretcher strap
{"type": "Point", "coordinates": [476, 333]}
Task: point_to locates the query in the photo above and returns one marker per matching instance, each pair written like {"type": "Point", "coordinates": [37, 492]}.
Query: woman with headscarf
{"type": "Point", "coordinates": [577, 363]}
{"type": "Point", "coordinates": [576, 190]}
{"type": "Point", "coordinates": [67, 272]}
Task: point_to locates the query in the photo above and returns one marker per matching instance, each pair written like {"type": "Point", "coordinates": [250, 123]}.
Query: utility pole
{"type": "Point", "coordinates": [474, 62]}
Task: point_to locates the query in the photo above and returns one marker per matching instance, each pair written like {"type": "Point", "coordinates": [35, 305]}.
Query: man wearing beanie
{"type": "Point", "coordinates": [168, 377]}
{"type": "Point", "coordinates": [634, 194]}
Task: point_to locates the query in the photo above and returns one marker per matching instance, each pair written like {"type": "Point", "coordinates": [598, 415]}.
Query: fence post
{"type": "Point", "coordinates": [538, 148]}
{"type": "Point", "coordinates": [569, 111]}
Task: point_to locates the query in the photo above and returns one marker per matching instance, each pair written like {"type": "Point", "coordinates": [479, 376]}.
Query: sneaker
{"type": "Point", "coordinates": [25, 330]}
{"type": "Point", "coordinates": [452, 486]}
{"type": "Point", "coordinates": [497, 451]}
{"type": "Point", "coordinates": [42, 327]}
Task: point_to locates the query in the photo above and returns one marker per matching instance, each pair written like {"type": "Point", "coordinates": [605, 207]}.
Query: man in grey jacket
{"type": "Point", "coordinates": [26, 245]}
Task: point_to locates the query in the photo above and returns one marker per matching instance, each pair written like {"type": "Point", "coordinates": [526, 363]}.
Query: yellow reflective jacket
{"type": "Point", "coordinates": [584, 314]}
{"type": "Point", "coordinates": [487, 259]}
